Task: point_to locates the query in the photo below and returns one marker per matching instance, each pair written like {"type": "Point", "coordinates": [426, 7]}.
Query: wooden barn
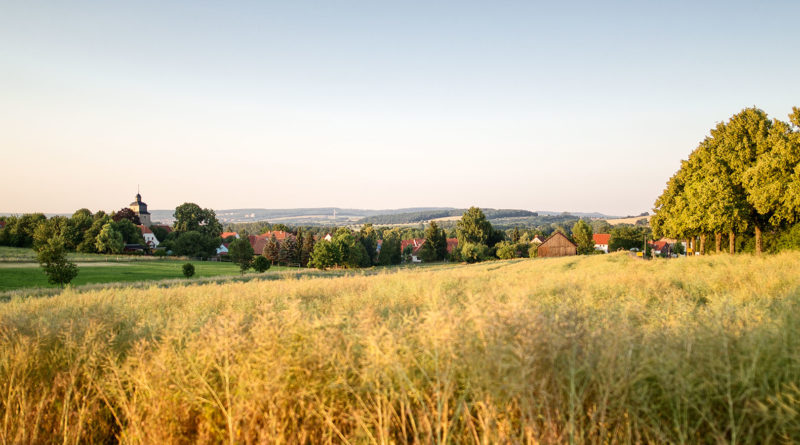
{"type": "Point", "coordinates": [557, 245]}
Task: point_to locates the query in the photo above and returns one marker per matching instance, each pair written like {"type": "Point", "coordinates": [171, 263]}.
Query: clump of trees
{"type": "Point", "coordinates": [196, 232]}
{"type": "Point", "coordinates": [741, 179]}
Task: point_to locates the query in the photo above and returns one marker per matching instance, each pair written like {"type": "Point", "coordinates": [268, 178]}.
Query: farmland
{"type": "Point", "coordinates": [584, 349]}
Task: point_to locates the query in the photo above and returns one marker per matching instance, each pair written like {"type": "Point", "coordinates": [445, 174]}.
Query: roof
{"type": "Point", "coordinates": [659, 245]}
{"type": "Point", "coordinates": [259, 241]}
{"type": "Point", "coordinates": [280, 235]}
{"type": "Point", "coordinates": [601, 238]}
{"type": "Point", "coordinates": [145, 230]}
{"type": "Point", "coordinates": [557, 234]}
{"type": "Point", "coordinates": [452, 243]}
{"type": "Point", "coordinates": [227, 234]}
{"type": "Point", "coordinates": [415, 243]}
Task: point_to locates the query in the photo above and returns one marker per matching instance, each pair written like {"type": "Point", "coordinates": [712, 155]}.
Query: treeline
{"type": "Point", "coordinates": [741, 180]}
{"type": "Point", "coordinates": [84, 231]}
{"type": "Point", "coordinates": [414, 217]}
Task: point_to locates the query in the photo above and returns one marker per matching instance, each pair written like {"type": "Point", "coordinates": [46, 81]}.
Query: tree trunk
{"type": "Point", "coordinates": [702, 244]}
{"type": "Point", "coordinates": [718, 241]}
{"type": "Point", "coordinates": [731, 241]}
{"type": "Point", "coordinates": [758, 240]}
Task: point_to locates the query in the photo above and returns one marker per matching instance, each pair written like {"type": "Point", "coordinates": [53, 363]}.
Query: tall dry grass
{"type": "Point", "coordinates": [602, 349]}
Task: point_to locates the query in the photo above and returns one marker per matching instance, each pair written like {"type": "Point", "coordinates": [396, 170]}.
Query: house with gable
{"type": "Point", "coordinates": [601, 241]}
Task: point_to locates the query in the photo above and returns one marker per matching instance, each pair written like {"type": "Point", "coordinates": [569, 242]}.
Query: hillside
{"type": "Point", "coordinates": [581, 349]}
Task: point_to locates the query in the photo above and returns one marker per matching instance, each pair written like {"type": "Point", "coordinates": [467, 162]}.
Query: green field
{"type": "Point", "coordinates": [18, 272]}
{"type": "Point", "coordinates": [595, 349]}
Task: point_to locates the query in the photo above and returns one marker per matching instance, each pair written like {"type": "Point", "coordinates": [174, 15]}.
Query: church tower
{"type": "Point", "coordinates": [140, 209]}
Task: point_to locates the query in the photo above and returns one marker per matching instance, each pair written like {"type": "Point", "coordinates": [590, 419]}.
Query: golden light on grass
{"type": "Point", "coordinates": [602, 349]}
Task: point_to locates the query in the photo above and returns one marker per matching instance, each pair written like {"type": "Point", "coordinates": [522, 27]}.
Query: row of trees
{"type": "Point", "coordinates": [743, 178]}
{"type": "Point", "coordinates": [82, 232]}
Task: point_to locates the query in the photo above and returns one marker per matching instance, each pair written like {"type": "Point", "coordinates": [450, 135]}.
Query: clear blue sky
{"type": "Point", "coordinates": [543, 106]}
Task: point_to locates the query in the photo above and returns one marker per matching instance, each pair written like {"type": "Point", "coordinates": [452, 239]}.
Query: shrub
{"type": "Point", "coordinates": [260, 264]}
{"type": "Point", "coordinates": [506, 250]}
{"type": "Point", "coordinates": [473, 253]}
{"type": "Point", "coordinates": [188, 270]}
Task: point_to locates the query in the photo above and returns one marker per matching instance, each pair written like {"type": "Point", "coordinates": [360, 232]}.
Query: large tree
{"type": "Point", "coordinates": [582, 235]}
{"type": "Point", "coordinates": [435, 246]}
{"type": "Point", "coordinates": [473, 227]}
{"type": "Point", "coordinates": [190, 217]}
{"type": "Point", "coordinates": [109, 240]}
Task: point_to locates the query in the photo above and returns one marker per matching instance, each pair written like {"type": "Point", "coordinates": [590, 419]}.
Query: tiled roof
{"type": "Point", "coordinates": [227, 234]}
{"type": "Point", "coordinates": [145, 229]}
{"type": "Point", "coordinates": [601, 238]}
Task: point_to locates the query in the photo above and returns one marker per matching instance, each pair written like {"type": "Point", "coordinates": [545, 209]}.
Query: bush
{"type": "Point", "coordinates": [506, 250]}
{"type": "Point", "coordinates": [260, 264]}
{"type": "Point", "coordinates": [160, 252]}
{"type": "Point", "coordinates": [532, 252]}
{"type": "Point", "coordinates": [473, 253]}
{"type": "Point", "coordinates": [188, 270]}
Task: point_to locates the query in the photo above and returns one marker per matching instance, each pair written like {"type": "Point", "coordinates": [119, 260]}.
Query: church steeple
{"type": "Point", "coordinates": [140, 208]}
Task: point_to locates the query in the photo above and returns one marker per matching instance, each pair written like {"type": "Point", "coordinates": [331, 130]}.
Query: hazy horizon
{"type": "Point", "coordinates": [580, 106]}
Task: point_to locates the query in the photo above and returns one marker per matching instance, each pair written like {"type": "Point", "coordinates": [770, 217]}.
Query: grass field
{"type": "Point", "coordinates": [599, 349]}
{"type": "Point", "coordinates": [27, 255]}
{"type": "Point", "coordinates": [88, 273]}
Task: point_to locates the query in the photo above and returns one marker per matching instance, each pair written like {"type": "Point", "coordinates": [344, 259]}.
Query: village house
{"type": "Point", "coordinates": [557, 245]}
{"type": "Point", "coordinates": [149, 237]}
{"type": "Point", "coordinates": [601, 241]}
{"type": "Point", "coordinates": [260, 241]}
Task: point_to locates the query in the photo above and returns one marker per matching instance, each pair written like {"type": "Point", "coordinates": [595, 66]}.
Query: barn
{"type": "Point", "coordinates": [557, 245]}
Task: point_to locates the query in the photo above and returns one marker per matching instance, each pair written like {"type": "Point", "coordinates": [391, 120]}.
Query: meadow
{"type": "Point", "coordinates": [598, 349]}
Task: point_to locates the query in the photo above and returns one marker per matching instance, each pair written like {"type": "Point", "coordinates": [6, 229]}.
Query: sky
{"type": "Point", "coordinates": [563, 106]}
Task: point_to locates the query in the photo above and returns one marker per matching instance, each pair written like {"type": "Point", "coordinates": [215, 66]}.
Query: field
{"type": "Point", "coordinates": [598, 349]}
{"type": "Point", "coordinates": [18, 272]}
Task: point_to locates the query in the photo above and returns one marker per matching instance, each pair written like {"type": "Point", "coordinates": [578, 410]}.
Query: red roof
{"type": "Point", "coordinates": [601, 238]}
{"type": "Point", "coordinates": [659, 245]}
{"type": "Point", "coordinates": [452, 243]}
{"type": "Point", "coordinates": [259, 241]}
{"type": "Point", "coordinates": [145, 230]}
{"type": "Point", "coordinates": [280, 235]}
{"type": "Point", "coordinates": [416, 243]}
{"type": "Point", "coordinates": [227, 234]}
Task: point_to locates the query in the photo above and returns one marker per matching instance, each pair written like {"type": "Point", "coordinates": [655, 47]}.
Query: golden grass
{"type": "Point", "coordinates": [600, 349]}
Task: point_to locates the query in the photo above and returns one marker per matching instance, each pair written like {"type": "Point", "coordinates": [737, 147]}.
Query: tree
{"type": "Point", "coordinates": [241, 253]}
{"type": "Point", "coordinates": [260, 264]}
{"type": "Point", "coordinates": [390, 248]}
{"type": "Point", "coordinates": [435, 246]}
{"type": "Point", "coordinates": [368, 237]}
{"type": "Point", "coordinates": [126, 213]}
{"type": "Point", "coordinates": [506, 250]}
{"type": "Point", "coordinates": [515, 235]}
{"type": "Point", "coordinates": [473, 227]}
{"type": "Point", "coordinates": [52, 258]}
{"type": "Point", "coordinates": [190, 217]}
{"type": "Point", "coordinates": [131, 234]}
{"type": "Point", "coordinates": [89, 243]}
{"type": "Point", "coordinates": [288, 251]}
{"type": "Point", "coordinates": [160, 233]}
{"type": "Point", "coordinates": [582, 235]}
{"type": "Point", "coordinates": [109, 240]}
{"type": "Point", "coordinates": [272, 249]}
{"type": "Point", "coordinates": [306, 249]}
{"type": "Point", "coordinates": [325, 255]}
{"type": "Point", "coordinates": [626, 237]}
{"type": "Point", "coordinates": [194, 244]}
{"type": "Point", "coordinates": [473, 253]}
{"type": "Point", "coordinates": [773, 182]}
{"type": "Point", "coordinates": [352, 253]}
{"type": "Point", "coordinates": [188, 270]}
